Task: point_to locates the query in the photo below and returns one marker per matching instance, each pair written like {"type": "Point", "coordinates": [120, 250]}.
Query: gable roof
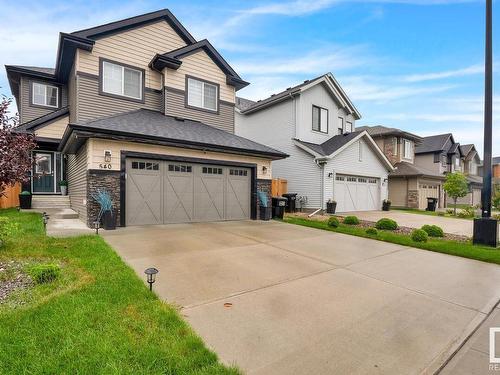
{"type": "Point", "coordinates": [466, 149]}
{"type": "Point", "coordinates": [382, 131]}
{"type": "Point", "coordinates": [403, 169]}
{"type": "Point", "coordinates": [154, 127]}
{"type": "Point", "coordinates": [42, 120]}
{"type": "Point", "coordinates": [326, 79]}
{"type": "Point", "coordinates": [433, 143]}
{"type": "Point", "coordinates": [136, 21]}
{"type": "Point", "coordinates": [337, 143]}
{"type": "Point", "coordinates": [173, 58]}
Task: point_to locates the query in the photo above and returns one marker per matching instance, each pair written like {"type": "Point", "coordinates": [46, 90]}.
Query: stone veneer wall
{"type": "Point", "coordinates": [389, 151]}
{"type": "Point", "coordinates": [412, 198]}
{"type": "Point", "coordinates": [265, 186]}
{"type": "Point", "coordinates": [107, 180]}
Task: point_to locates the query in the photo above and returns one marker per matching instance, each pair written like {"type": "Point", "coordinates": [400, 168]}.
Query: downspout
{"type": "Point", "coordinates": [321, 164]}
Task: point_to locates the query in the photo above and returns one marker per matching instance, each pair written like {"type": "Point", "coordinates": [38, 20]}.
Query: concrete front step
{"type": "Point", "coordinates": [50, 201]}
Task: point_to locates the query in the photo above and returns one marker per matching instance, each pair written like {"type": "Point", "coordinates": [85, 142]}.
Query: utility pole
{"type": "Point", "coordinates": [486, 228]}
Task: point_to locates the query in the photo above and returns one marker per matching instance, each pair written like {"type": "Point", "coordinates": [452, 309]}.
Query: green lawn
{"type": "Point", "coordinates": [463, 249]}
{"type": "Point", "coordinates": [98, 318]}
{"type": "Point", "coordinates": [429, 213]}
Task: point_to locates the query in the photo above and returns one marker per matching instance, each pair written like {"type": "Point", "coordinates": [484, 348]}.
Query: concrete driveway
{"type": "Point", "coordinates": [412, 220]}
{"type": "Point", "coordinates": [277, 298]}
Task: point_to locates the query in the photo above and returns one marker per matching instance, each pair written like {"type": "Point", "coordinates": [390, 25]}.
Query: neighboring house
{"type": "Point", "coordinates": [409, 184]}
{"type": "Point", "coordinates": [140, 108]}
{"type": "Point", "coordinates": [314, 123]}
{"type": "Point", "coordinates": [470, 167]}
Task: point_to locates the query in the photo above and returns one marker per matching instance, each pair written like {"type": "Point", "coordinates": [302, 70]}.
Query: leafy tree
{"type": "Point", "coordinates": [15, 149]}
{"type": "Point", "coordinates": [496, 198]}
{"type": "Point", "coordinates": [456, 186]}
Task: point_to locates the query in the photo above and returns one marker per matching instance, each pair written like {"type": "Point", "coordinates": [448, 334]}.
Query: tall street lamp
{"type": "Point", "coordinates": [486, 228]}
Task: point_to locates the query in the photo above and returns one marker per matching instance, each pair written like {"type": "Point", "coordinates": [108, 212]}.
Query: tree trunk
{"type": "Point", "coordinates": [455, 208]}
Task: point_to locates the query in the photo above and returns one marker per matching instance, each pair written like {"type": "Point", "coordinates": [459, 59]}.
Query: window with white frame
{"type": "Point", "coordinates": [319, 119]}
{"type": "Point", "coordinates": [348, 127]}
{"type": "Point", "coordinates": [45, 95]}
{"type": "Point", "coordinates": [121, 80]}
{"type": "Point", "coordinates": [340, 128]}
{"type": "Point", "coordinates": [202, 94]}
{"type": "Point", "coordinates": [407, 149]}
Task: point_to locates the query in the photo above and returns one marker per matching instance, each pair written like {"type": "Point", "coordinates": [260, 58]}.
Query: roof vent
{"type": "Point", "coordinates": [306, 81]}
{"type": "Point", "coordinates": [273, 95]}
{"type": "Point", "coordinates": [288, 88]}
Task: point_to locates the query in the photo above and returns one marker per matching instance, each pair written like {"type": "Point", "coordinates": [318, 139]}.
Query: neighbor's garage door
{"type": "Point", "coordinates": [356, 193]}
{"type": "Point", "coordinates": [427, 190]}
{"type": "Point", "coordinates": [160, 192]}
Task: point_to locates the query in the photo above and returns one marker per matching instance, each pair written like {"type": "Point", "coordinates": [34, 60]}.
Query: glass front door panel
{"type": "Point", "coordinates": [43, 172]}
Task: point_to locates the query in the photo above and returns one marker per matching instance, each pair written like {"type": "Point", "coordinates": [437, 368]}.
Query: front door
{"type": "Point", "coordinates": [43, 172]}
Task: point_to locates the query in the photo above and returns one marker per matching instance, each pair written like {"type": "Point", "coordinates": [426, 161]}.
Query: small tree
{"type": "Point", "coordinates": [456, 186]}
{"type": "Point", "coordinates": [495, 201]}
{"type": "Point", "coordinates": [15, 149]}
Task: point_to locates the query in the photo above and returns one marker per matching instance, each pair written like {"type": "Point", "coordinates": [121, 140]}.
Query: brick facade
{"type": "Point", "coordinates": [105, 180]}
{"type": "Point", "coordinates": [264, 186]}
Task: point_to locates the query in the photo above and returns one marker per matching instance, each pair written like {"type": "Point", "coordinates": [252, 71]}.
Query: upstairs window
{"type": "Point", "coordinates": [340, 128]}
{"type": "Point", "coordinates": [45, 95]}
{"type": "Point", "coordinates": [407, 149]}
{"type": "Point", "coordinates": [319, 119]}
{"type": "Point", "coordinates": [201, 94]}
{"type": "Point", "coordinates": [348, 127]}
{"type": "Point", "coordinates": [122, 80]}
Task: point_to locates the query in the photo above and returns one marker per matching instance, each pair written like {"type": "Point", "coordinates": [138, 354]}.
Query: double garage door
{"type": "Point", "coordinates": [163, 192]}
{"type": "Point", "coordinates": [427, 191]}
{"type": "Point", "coordinates": [356, 193]}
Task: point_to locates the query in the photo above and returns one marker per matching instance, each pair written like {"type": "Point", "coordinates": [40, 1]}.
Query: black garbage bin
{"type": "Point", "coordinates": [279, 204]}
{"type": "Point", "coordinates": [290, 202]}
{"type": "Point", "coordinates": [431, 204]}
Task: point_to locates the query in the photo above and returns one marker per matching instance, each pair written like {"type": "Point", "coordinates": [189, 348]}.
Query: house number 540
{"type": "Point", "coordinates": [104, 166]}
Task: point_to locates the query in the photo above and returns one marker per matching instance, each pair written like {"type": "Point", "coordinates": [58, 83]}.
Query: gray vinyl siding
{"type": "Point", "coordinates": [175, 106]}
{"type": "Point", "coordinates": [90, 105]}
{"type": "Point", "coordinates": [72, 96]}
{"type": "Point", "coordinates": [300, 170]}
{"type": "Point", "coordinates": [77, 181]}
{"type": "Point", "coordinates": [28, 112]}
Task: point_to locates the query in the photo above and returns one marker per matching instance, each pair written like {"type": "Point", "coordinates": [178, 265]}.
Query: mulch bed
{"type": "Point", "coordinates": [370, 224]}
{"type": "Point", "coordinates": [12, 278]}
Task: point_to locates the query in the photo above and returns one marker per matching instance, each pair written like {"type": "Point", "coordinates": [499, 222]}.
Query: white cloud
{"type": "Point", "coordinates": [470, 70]}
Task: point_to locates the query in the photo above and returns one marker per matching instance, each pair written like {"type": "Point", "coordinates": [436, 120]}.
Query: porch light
{"type": "Point", "coordinates": [18, 208]}
{"type": "Point", "coordinates": [330, 175]}
{"type": "Point", "coordinates": [151, 276]}
{"type": "Point", "coordinates": [264, 169]}
{"type": "Point", "coordinates": [107, 156]}
{"type": "Point", "coordinates": [45, 219]}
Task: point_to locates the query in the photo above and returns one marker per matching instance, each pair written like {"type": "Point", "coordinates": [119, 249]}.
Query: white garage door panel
{"type": "Point", "coordinates": [175, 192]}
{"type": "Point", "coordinates": [356, 193]}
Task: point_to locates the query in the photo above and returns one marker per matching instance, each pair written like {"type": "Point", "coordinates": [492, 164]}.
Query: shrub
{"type": "Point", "coordinates": [351, 220]}
{"type": "Point", "coordinates": [440, 213]}
{"type": "Point", "coordinates": [468, 211]}
{"type": "Point", "coordinates": [433, 230]}
{"type": "Point", "coordinates": [449, 211]}
{"type": "Point", "coordinates": [44, 273]}
{"type": "Point", "coordinates": [371, 231]}
{"type": "Point", "coordinates": [496, 216]}
{"type": "Point", "coordinates": [464, 215]}
{"type": "Point", "coordinates": [333, 222]}
{"type": "Point", "coordinates": [386, 224]}
{"type": "Point", "coordinates": [419, 235]}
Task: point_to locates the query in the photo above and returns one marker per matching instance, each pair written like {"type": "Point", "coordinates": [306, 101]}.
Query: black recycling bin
{"type": "Point", "coordinates": [290, 203]}
{"type": "Point", "coordinates": [279, 205]}
{"type": "Point", "coordinates": [431, 204]}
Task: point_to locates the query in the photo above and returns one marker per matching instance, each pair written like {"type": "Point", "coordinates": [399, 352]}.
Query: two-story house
{"type": "Point", "coordinates": [470, 167]}
{"type": "Point", "coordinates": [314, 123]}
{"type": "Point", "coordinates": [140, 108]}
{"type": "Point", "coordinates": [410, 184]}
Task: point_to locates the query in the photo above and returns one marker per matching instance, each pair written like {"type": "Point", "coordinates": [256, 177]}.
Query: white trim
{"type": "Point", "coordinates": [203, 84]}
{"type": "Point", "coordinates": [122, 93]}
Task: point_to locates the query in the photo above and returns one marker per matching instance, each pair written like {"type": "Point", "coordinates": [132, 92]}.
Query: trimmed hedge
{"type": "Point", "coordinates": [386, 224]}
{"type": "Point", "coordinates": [371, 231]}
{"type": "Point", "coordinates": [44, 273]}
{"type": "Point", "coordinates": [433, 230]}
{"type": "Point", "coordinates": [419, 235]}
{"type": "Point", "coordinates": [351, 220]}
{"type": "Point", "coordinates": [333, 222]}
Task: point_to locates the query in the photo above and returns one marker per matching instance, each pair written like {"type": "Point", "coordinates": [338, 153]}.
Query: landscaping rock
{"type": "Point", "coordinates": [12, 278]}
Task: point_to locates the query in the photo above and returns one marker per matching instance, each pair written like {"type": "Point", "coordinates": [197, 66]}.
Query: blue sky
{"type": "Point", "coordinates": [412, 64]}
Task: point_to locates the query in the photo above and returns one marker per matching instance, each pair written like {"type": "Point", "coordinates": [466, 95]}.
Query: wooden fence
{"type": "Point", "coordinates": [279, 187]}
{"type": "Point", "coordinates": [10, 197]}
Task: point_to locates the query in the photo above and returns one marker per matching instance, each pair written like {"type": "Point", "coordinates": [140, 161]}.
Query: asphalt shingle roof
{"type": "Point", "coordinates": [36, 69]}
{"type": "Point", "coordinates": [331, 145]}
{"type": "Point", "coordinates": [242, 103]}
{"type": "Point", "coordinates": [433, 143]}
{"type": "Point", "coordinates": [408, 169]}
{"type": "Point", "coordinates": [148, 123]}
{"type": "Point", "coordinates": [466, 149]}
{"type": "Point", "coordinates": [380, 130]}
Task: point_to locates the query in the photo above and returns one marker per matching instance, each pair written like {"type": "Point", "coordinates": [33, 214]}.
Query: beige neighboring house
{"type": "Point", "coordinates": [140, 108]}
{"type": "Point", "coordinates": [411, 183]}
{"type": "Point", "coordinates": [470, 167]}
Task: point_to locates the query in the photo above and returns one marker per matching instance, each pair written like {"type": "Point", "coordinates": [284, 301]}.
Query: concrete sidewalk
{"type": "Point", "coordinates": [63, 222]}
{"type": "Point", "coordinates": [277, 298]}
